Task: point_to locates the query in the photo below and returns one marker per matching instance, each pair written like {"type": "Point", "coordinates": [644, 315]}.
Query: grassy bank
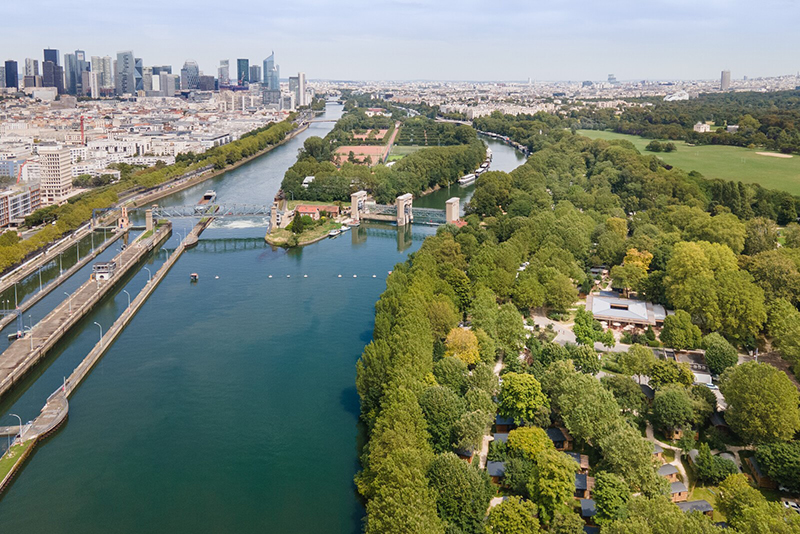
{"type": "Point", "coordinates": [12, 456]}
{"type": "Point", "coordinates": [723, 162]}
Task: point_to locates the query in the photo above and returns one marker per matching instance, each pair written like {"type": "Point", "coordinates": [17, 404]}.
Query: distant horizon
{"type": "Point", "coordinates": [418, 40]}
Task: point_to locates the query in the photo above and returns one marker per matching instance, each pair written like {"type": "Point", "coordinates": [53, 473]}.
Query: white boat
{"type": "Point", "coordinates": [334, 233]}
{"type": "Point", "coordinates": [208, 197]}
{"type": "Point", "coordinates": [344, 228]}
{"type": "Point", "coordinates": [466, 180]}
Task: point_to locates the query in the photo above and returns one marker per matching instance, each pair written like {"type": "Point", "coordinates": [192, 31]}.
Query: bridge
{"type": "Point", "coordinates": [402, 212]}
{"type": "Point", "coordinates": [219, 211]}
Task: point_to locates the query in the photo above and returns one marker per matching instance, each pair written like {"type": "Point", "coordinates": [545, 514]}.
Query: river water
{"type": "Point", "coordinates": [228, 405]}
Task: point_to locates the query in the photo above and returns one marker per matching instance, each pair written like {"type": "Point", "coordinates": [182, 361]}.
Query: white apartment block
{"type": "Point", "coordinates": [55, 173]}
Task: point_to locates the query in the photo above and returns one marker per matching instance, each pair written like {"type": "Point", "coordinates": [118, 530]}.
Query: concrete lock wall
{"type": "Point", "coordinates": [451, 210]}
{"type": "Point", "coordinates": [404, 213]}
{"type": "Point", "coordinates": [357, 200]}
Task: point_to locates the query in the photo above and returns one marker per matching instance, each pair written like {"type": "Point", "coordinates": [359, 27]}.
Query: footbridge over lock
{"type": "Point", "coordinates": [402, 212]}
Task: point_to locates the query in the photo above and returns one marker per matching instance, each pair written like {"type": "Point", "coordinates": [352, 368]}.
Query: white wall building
{"type": "Point", "coordinates": [55, 173]}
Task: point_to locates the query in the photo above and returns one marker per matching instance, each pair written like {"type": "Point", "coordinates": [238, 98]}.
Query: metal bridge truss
{"type": "Point", "coordinates": [421, 215]}
{"type": "Point", "coordinates": [222, 211]}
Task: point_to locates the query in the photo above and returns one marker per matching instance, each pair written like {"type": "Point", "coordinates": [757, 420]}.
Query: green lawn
{"type": "Point", "coordinates": [398, 150]}
{"type": "Point", "coordinates": [12, 456]}
{"type": "Point", "coordinates": [708, 494]}
{"type": "Point", "coordinates": [724, 162]}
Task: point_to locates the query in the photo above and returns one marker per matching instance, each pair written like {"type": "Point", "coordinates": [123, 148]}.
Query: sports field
{"type": "Point", "coordinates": [725, 162]}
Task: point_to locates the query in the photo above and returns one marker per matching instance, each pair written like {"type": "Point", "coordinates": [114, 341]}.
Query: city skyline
{"type": "Point", "coordinates": [668, 39]}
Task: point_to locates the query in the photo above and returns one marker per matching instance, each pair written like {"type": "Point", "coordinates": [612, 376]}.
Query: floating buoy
{"type": "Point", "coordinates": [216, 277]}
{"type": "Point", "coordinates": [374, 276]}
{"type": "Point", "coordinates": [288, 276]}
{"type": "Point", "coordinates": [355, 275]}
{"type": "Point", "coordinates": [270, 276]}
{"type": "Point", "coordinates": [340, 276]}
{"type": "Point", "coordinates": [305, 276]}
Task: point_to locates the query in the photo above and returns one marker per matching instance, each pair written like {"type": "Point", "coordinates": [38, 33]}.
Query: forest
{"type": "Point", "coordinates": [456, 312]}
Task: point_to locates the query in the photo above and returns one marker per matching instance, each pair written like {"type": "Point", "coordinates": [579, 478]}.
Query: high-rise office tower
{"type": "Point", "coordinates": [70, 74]}
{"type": "Point", "coordinates": [138, 65]}
{"type": "Point", "coordinates": [158, 69]}
{"type": "Point", "coordinates": [102, 67]}
{"type": "Point", "coordinates": [12, 75]}
{"type": "Point", "coordinates": [271, 73]}
{"type": "Point", "coordinates": [94, 83]}
{"type": "Point", "coordinates": [125, 78]}
{"type": "Point", "coordinates": [31, 67]}
{"type": "Point", "coordinates": [224, 72]}
{"type": "Point", "coordinates": [147, 78]}
{"type": "Point", "coordinates": [2, 76]}
{"type": "Point", "coordinates": [301, 89]}
{"type": "Point", "coordinates": [55, 169]}
{"type": "Point", "coordinates": [242, 71]}
{"type": "Point", "coordinates": [255, 74]}
{"type": "Point", "coordinates": [51, 55]}
{"type": "Point", "coordinates": [725, 80]}
{"type": "Point", "coordinates": [167, 83]}
{"type": "Point", "coordinates": [190, 75]}
{"type": "Point", "coordinates": [81, 66]}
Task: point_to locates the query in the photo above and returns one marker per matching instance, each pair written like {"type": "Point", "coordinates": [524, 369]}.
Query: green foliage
{"type": "Point", "coordinates": [659, 516]}
{"type": "Point", "coordinates": [585, 359]}
{"type": "Point", "coordinates": [442, 409]}
{"type": "Point", "coordinates": [611, 495]}
{"type": "Point", "coordinates": [762, 402]}
{"type": "Point", "coordinates": [513, 516]}
{"type": "Point", "coordinates": [719, 353]}
{"type": "Point", "coordinates": [712, 469]}
{"type": "Point", "coordinates": [781, 462]}
{"type": "Point", "coordinates": [748, 511]}
{"type": "Point", "coordinates": [628, 394]}
{"type": "Point", "coordinates": [510, 330]}
{"type": "Point", "coordinates": [463, 492]}
{"type": "Point", "coordinates": [666, 372]}
{"type": "Point", "coordinates": [672, 408]}
{"type": "Point", "coordinates": [638, 360]}
{"type": "Point", "coordinates": [451, 372]}
{"type": "Point", "coordinates": [588, 330]}
{"type": "Point", "coordinates": [552, 483]}
{"type": "Point", "coordinates": [528, 442]}
{"type": "Point", "coordinates": [679, 332]}
{"type": "Point", "coordinates": [521, 397]}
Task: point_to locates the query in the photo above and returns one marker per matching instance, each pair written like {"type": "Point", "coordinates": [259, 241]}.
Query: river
{"type": "Point", "coordinates": [226, 406]}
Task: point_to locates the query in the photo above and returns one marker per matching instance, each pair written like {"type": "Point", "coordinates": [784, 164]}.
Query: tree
{"type": "Point", "coordinates": [513, 516]}
{"type": "Point", "coordinates": [484, 311]}
{"type": "Point", "coordinates": [672, 408]}
{"type": "Point", "coordinates": [781, 462]}
{"type": "Point", "coordinates": [587, 408]}
{"type": "Point", "coordinates": [638, 360]}
{"type": "Point", "coordinates": [659, 516]}
{"type": "Point", "coordinates": [719, 353]}
{"type": "Point", "coordinates": [528, 293]}
{"type": "Point", "coordinates": [528, 442]}
{"type": "Point", "coordinates": [588, 330]}
{"type": "Point", "coordinates": [442, 409]}
{"type": "Point", "coordinates": [469, 430]}
{"type": "Point", "coordinates": [762, 402]}
{"type": "Point", "coordinates": [748, 511]}
{"type": "Point", "coordinates": [463, 491]}
{"type": "Point", "coordinates": [462, 344]}
{"type": "Point", "coordinates": [628, 394]}
{"type": "Point", "coordinates": [552, 483]}
{"type": "Point", "coordinates": [791, 233]}
{"type": "Point", "coordinates": [560, 292]}
{"type": "Point", "coordinates": [679, 332]}
{"type": "Point", "coordinates": [451, 372]}
{"type": "Point", "coordinates": [483, 377]}
{"type": "Point", "coordinates": [551, 352]}
{"type": "Point", "coordinates": [486, 346]}
{"type": "Point", "coordinates": [760, 234]}
{"type": "Point", "coordinates": [566, 523]}
{"type": "Point", "coordinates": [610, 494]}
{"type": "Point", "coordinates": [630, 456]}
{"type": "Point", "coordinates": [510, 329]}
{"type": "Point", "coordinates": [713, 469]}
{"type": "Point", "coordinates": [784, 329]}
{"type": "Point", "coordinates": [633, 270]}
{"type": "Point", "coordinates": [666, 372]}
{"type": "Point", "coordinates": [442, 315]}
{"type": "Point", "coordinates": [521, 397]}
{"type": "Point", "coordinates": [654, 146]}
{"type": "Point", "coordinates": [585, 359]}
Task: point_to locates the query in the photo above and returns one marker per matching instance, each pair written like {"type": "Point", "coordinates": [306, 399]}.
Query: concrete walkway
{"type": "Point", "coordinates": [677, 461]}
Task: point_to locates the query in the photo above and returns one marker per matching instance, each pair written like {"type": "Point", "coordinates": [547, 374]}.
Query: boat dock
{"type": "Point", "coordinates": [25, 352]}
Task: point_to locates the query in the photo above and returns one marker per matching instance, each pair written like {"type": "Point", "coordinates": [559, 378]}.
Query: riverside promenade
{"type": "Point", "coordinates": [61, 277]}
{"type": "Point", "coordinates": [24, 353]}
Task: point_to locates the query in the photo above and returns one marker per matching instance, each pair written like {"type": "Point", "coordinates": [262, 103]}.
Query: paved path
{"type": "Point", "coordinates": [677, 461]}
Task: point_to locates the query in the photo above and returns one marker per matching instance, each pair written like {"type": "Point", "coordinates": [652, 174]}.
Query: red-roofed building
{"type": "Point", "coordinates": [315, 211]}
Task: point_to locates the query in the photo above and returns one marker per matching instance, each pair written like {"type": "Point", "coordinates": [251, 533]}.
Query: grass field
{"type": "Point", "coordinates": [724, 162]}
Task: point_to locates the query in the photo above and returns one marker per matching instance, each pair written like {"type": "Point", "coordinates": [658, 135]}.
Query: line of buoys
{"type": "Point", "coordinates": [306, 276]}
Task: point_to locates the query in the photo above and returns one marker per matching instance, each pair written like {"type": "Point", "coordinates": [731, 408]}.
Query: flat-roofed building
{"type": "Point", "coordinates": [625, 311]}
{"type": "Point", "coordinates": [55, 172]}
{"type": "Point", "coordinates": [16, 203]}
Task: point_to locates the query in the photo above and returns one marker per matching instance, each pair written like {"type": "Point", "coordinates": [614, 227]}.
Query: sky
{"type": "Point", "coordinates": [481, 40]}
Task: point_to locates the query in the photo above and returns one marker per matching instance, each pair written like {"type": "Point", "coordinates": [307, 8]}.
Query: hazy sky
{"type": "Point", "coordinates": [409, 39]}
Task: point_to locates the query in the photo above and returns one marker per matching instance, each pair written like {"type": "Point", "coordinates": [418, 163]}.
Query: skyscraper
{"type": "Point", "coordinates": [81, 66]}
{"type": "Point", "coordinates": [138, 66]}
{"type": "Point", "coordinates": [271, 73]}
{"type": "Point", "coordinates": [102, 67]}
{"type": "Point", "coordinates": [301, 89]}
{"type": "Point", "coordinates": [12, 75]}
{"type": "Point", "coordinates": [190, 75]}
{"type": "Point", "coordinates": [224, 72]}
{"type": "Point", "coordinates": [70, 74]}
{"type": "Point", "coordinates": [51, 55]}
{"type": "Point", "coordinates": [725, 80]}
{"type": "Point", "coordinates": [124, 77]}
{"type": "Point", "coordinates": [147, 78]}
{"type": "Point", "coordinates": [255, 74]}
{"type": "Point", "coordinates": [242, 71]}
{"type": "Point", "coordinates": [31, 67]}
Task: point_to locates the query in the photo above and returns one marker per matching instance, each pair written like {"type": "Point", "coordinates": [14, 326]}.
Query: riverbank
{"type": "Point", "coordinates": [200, 178]}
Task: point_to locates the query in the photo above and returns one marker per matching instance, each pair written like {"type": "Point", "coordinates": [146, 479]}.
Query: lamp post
{"type": "Point", "coordinates": [129, 296]}
{"type": "Point", "coordinates": [40, 278]}
{"type": "Point", "coordinates": [31, 330]}
{"type": "Point", "coordinates": [69, 299]}
{"type": "Point", "coordinates": [20, 425]}
{"type": "Point", "coordinates": [101, 331]}
{"type": "Point", "coordinates": [60, 266]}
{"type": "Point", "coordinates": [149, 274]}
